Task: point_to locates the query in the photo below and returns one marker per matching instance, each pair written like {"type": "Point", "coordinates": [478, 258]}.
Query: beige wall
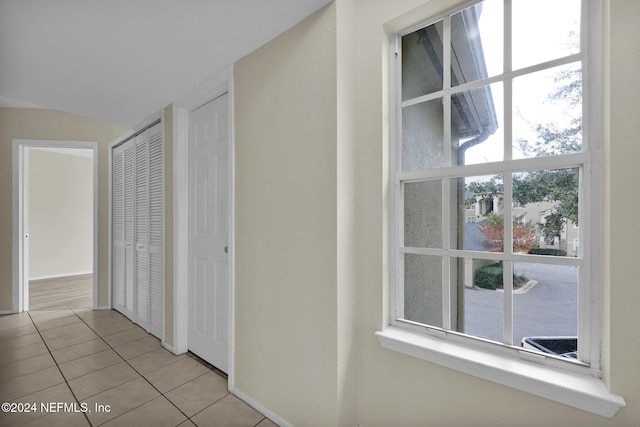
{"type": "Point", "coordinates": [622, 251]}
{"type": "Point", "coordinates": [297, 307]}
{"type": "Point", "coordinates": [286, 273]}
{"type": "Point", "coordinates": [51, 125]}
{"type": "Point", "coordinates": [60, 214]}
{"type": "Point", "coordinates": [403, 391]}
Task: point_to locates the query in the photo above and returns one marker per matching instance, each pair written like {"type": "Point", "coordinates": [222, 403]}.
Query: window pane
{"type": "Point", "coordinates": [422, 61]}
{"type": "Point", "coordinates": [481, 282]}
{"type": "Point", "coordinates": [422, 136]}
{"type": "Point", "coordinates": [550, 200]}
{"type": "Point", "coordinates": [526, 234]}
{"type": "Point", "coordinates": [476, 42]}
{"type": "Point", "coordinates": [477, 128]}
{"type": "Point", "coordinates": [423, 289]}
{"type": "Point", "coordinates": [544, 30]}
{"type": "Point", "coordinates": [547, 112]}
{"type": "Point", "coordinates": [480, 228]}
{"type": "Point", "coordinates": [423, 214]}
{"type": "Point", "coordinates": [545, 306]}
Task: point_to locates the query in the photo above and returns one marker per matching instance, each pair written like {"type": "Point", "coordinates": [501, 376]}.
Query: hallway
{"type": "Point", "coordinates": [108, 371]}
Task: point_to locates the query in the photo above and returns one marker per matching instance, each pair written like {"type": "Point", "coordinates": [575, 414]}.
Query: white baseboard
{"type": "Point", "coordinates": [260, 408]}
{"type": "Point", "coordinates": [168, 347]}
{"type": "Point", "coordinates": [105, 307]}
{"type": "Point", "coordinates": [7, 312]}
{"type": "Point", "coordinates": [55, 276]}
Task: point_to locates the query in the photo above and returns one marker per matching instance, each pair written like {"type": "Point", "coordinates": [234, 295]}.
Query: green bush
{"type": "Point", "coordinates": [489, 277]}
{"type": "Point", "coordinates": [547, 251]}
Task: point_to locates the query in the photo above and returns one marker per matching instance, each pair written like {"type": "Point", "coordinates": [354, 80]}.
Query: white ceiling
{"type": "Point", "coordinates": [122, 60]}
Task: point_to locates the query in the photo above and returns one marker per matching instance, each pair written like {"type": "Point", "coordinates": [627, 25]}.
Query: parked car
{"type": "Point", "coordinates": [559, 346]}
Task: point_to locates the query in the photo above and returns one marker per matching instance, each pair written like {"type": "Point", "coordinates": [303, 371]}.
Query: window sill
{"type": "Point", "coordinates": [576, 390]}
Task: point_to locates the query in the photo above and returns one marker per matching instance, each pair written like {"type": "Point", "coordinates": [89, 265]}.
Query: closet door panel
{"type": "Point", "coordinates": [129, 226]}
{"type": "Point", "coordinates": [142, 229]}
{"type": "Point", "coordinates": [156, 227]}
{"type": "Point", "coordinates": [138, 229]}
{"type": "Point", "coordinates": [117, 229]}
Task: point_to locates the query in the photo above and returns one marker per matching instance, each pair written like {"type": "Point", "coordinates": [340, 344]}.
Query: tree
{"type": "Point", "coordinates": [559, 187]}
{"type": "Point", "coordinates": [492, 229]}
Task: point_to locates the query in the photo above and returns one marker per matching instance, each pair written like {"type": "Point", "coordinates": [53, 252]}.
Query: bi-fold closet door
{"type": "Point", "coordinates": [137, 229]}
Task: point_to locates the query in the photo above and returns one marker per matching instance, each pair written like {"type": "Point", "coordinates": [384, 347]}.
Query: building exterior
{"type": "Point", "coordinates": [535, 213]}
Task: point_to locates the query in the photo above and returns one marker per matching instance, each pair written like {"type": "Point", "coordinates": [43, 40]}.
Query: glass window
{"type": "Point", "coordinates": [491, 177]}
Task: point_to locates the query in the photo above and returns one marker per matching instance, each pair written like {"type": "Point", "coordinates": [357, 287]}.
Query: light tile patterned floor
{"type": "Point", "coordinates": [99, 358]}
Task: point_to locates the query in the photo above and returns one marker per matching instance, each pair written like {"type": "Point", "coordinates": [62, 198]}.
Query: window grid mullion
{"type": "Point", "coordinates": [508, 83]}
{"type": "Point", "coordinates": [584, 274]}
{"type": "Point", "coordinates": [507, 278]}
{"type": "Point", "coordinates": [507, 36]}
{"type": "Point", "coordinates": [475, 84]}
{"type": "Point", "coordinates": [446, 246]}
{"type": "Point", "coordinates": [399, 294]}
{"type": "Point", "coordinates": [397, 188]}
{"type": "Point", "coordinates": [446, 83]}
{"type": "Point", "coordinates": [446, 183]}
{"type": "Point", "coordinates": [507, 266]}
{"type": "Point", "coordinates": [562, 161]}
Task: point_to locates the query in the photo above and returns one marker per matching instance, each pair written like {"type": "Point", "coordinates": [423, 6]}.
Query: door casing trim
{"type": "Point", "coordinates": [215, 86]}
{"type": "Point", "coordinates": [20, 301]}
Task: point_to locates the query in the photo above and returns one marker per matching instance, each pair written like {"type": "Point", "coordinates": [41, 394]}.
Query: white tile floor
{"type": "Point", "coordinates": [99, 358]}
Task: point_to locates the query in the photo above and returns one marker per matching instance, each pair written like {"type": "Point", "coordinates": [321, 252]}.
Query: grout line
{"type": "Point", "coordinates": [58, 365]}
{"type": "Point", "coordinates": [138, 372]}
{"type": "Point", "coordinates": [189, 354]}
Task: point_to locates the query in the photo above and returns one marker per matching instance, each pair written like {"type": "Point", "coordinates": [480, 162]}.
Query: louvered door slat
{"type": "Point", "coordinates": [142, 235]}
{"type": "Point", "coordinates": [156, 226]}
{"type": "Point", "coordinates": [129, 224]}
{"type": "Point", "coordinates": [138, 229]}
{"type": "Point", "coordinates": [117, 219]}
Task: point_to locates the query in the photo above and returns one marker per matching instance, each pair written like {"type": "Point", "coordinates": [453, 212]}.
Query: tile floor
{"type": "Point", "coordinates": [100, 358]}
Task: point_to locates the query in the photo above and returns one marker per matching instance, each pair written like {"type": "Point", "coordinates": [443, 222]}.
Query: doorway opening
{"type": "Point", "coordinates": [55, 195]}
{"type": "Point", "coordinates": [210, 90]}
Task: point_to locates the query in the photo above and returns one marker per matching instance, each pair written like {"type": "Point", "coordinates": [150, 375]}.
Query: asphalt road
{"type": "Point", "coordinates": [549, 308]}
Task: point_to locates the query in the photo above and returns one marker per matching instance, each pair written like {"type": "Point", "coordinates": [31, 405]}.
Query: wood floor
{"type": "Point", "coordinates": [61, 293]}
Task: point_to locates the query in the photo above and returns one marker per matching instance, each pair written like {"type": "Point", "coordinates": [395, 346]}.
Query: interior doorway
{"type": "Point", "coordinates": [54, 224]}
{"type": "Point", "coordinates": [211, 89]}
{"type": "Point", "coordinates": [209, 232]}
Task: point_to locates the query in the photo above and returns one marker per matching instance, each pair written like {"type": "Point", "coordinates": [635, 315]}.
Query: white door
{"type": "Point", "coordinates": [141, 229]}
{"type": "Point", "coordinates": [156, 231]}
{"type": "Point", "coordinates": [129, 185]}
{"type": "Point", "coordinates": [209, 232]}
{"type": "Point", "coordinates": [117, 229]}
{"type": "Point", "coordinates": [137, 229]}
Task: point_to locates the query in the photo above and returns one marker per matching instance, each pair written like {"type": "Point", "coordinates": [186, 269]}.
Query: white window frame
{"type": "Point", "coordinates": [577, 384]}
